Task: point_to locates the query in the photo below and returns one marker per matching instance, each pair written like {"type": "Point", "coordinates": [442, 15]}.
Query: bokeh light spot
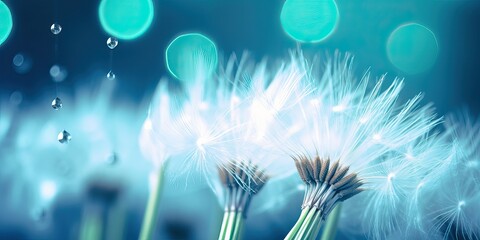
{"type": "Point", "coordinates": [6, 22]}
{"type": "Point", "coordinates": [309, 20]}
{"type": "Point", "coordinates": [126, 19]}
{"type": "Point", "coordinates": [412, 48]}
{"type": "Point", "coordinates": [48, 189]}
{"type": "Point", "coordinates": [190, 55]}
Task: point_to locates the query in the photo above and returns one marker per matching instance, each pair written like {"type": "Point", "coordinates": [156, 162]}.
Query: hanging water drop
{"type": "Point", "coordinates": [112, 159]}
{"type": "Point", "coordinates": [22, 63]}
{"type": "Point", "coordinates": [18, 60]}
{"type": "Point", "coordinates": [111, 75]}
{"type": "Point", "coordinates": [56, 28]}
{"type": "Point", "coordinates": [16, 98]}
{"type": "Point", "coordinates": [112, 42]}
{"type": "Point", "coordinates": [64, 137]}
{"type": "Point", "coordinates": [57, 103]}
{"type": "Point", "coordinates": [58, 73]}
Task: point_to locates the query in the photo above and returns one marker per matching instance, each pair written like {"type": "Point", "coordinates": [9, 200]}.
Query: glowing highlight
{"type": "Point", "coordinates": [309, 20]}
{"type": "Point", "coordinates": [412, 48]}
{"type": "Point", "coordinates": [125, 19]}
{"type": "Point", "coordinates": [6, 22]}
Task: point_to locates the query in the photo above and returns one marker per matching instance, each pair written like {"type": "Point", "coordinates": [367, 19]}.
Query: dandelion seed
{"type": "Point", "coordinates": [222, 124]}
{"type": "Point", "coordinates": [342, 137]}
{"type": "Point", "coordinates": [338, 108]}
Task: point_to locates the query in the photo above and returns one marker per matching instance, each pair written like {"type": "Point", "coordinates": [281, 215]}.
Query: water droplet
{"type": "Point", "coordinates": [58, 73]}
{"type": "Point", "coordinates": [16, 98]}
{"type": "Point", "coordinates": [112, 42]}
{"type": "Point", "coordinates": [64, 137]}
{"type": "Point", "coordinates": [112, 159]}
{"type": "Point", "coordinates": [57, 103]}
{"type": "Point", "coordinates": [56, 28]}
{"type": "Point", "coordinates": [111, 75]}
{"type": "Point", "coordinates": [54, 70]}
{"type": "Point", "coordinates": [22, 63]}
{"type": "Point", "coordinates": [18, 60]}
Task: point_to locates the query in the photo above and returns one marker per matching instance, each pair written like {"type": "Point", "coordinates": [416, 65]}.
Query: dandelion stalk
{"type": "Point", "coordinates": [240, 183]}
{"type": "Point", "coordinates": [238, 226]}
{"type": "Point", "coordinates": [326, 187]}
{"type": "Point", "coordinates": [302, 233]}
{"type": "Point", "coordinates": [293, 232]}
{"type": "Point", "coordinates": [331, 225]}
{"type": "Point", "coordinates": [223, 228]}
{"type": "Point", "coordinates": [151, 211]}
{"type": "Point", "coordinates": [91, 225]}
{"type": "Point", "coordinates": [115, 222]}
{"type": "Point", "coordinates": [230, 226]}
{"type": "Point", "coordinates": [315, 226]}
{"type": "Point", "coordinates": [101, 196]}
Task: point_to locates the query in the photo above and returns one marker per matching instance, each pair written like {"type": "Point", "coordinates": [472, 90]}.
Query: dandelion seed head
{"type": "Point", "coordinates": [315, 102]}
{"type": "Point", "coordinates": [451, 201]}
{"type": "Point", "coordinates": [339, 108]}
{"type": "Point", "coordinates": [148, 125]}
{"type": "Point", "coordinates": [390, 176]}
{"type": "Point", "coordinates": [223, 120]}
{"type": "Point", "coordinates": [409, 156]}
{"type": "Point", "coordinates": [363, 120]}
{"type": "Point", "coordinates": [203, 106]}
{"type": "Point", "coordinates": [201, 142]}
{"type": "Point", "coordinates": [235, 100]}
{"type": "Point", "coordinates": [339, 124]}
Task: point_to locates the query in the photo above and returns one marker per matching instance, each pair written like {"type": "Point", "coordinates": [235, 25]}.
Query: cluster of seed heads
{"type": "Point", "coordinates": [241, 182]}
{"type": "Point", "coordinates": [327, 183]}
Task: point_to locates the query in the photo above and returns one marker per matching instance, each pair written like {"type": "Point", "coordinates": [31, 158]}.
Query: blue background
{"type": "Point", "coordinates": [235, 26]}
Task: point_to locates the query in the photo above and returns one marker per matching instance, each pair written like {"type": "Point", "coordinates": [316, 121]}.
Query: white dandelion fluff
{"type": "Point", "coordinates": [348, 131]}
{"type": "Point", "coordinates": [223, 125]}
{"type": "Point", "coordinates": [222, 120]}
{"type": "Point", "coordinates": [427, 189]}
{"type": "Point", "coordinates": [451, 205]}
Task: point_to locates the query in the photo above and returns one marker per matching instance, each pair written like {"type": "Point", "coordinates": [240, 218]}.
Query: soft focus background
{"type": "Point", "coordinates": [97, 109]}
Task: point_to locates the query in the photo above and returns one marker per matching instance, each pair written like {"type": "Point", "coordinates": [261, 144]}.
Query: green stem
{"type": "Point", "coordinates": [115, 223]}
{"type": "Point", "coordinates": [317, 229]}
{"type": "Point", "coordinates": [237, 231]}
{"type": "Point", "coordinates": [309, 231]}
{"type": "Point", "coordinates": [230, 225]}
{"type": "Point", "coordinates": [223, 229]}
{"type": "Point", "coordinates": [332, 222]}
{"type": "Point", "coordinates": [315, 226]}
{"type": "Point", "coordinates": [301, 235]}
{"type": "Point", "coordinates": [293, 232]}
{"type": "Point", "coordinates": [91, 224]}
{"type": "Point", "coordinates": [151, 211]}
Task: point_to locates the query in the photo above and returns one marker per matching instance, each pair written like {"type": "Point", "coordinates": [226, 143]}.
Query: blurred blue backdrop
{"type": "Point", "coordinates": [235, 26]}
